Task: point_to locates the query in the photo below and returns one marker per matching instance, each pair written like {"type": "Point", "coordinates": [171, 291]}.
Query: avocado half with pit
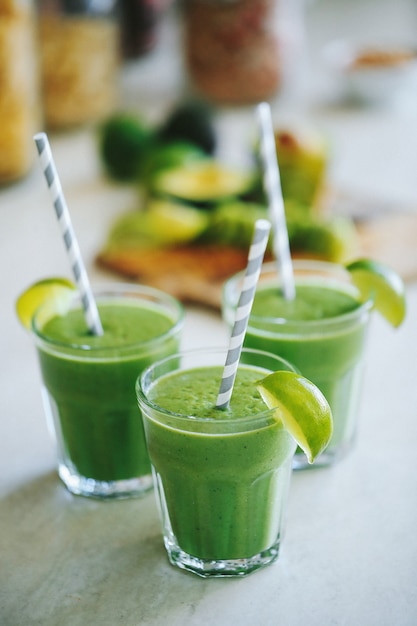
{"type": "Point", "coordinates": [203, 183]}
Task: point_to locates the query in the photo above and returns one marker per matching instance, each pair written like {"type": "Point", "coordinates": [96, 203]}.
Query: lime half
{"type": "Point", "coordinates": [57, 290]}
{"type": "Point", "coordinates": [382, 284]}
{"type": "Point", "coordinates": [301, 407]}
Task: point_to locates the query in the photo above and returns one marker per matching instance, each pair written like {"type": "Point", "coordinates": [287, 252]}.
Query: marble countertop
{"type": "Point", "coordinates": [350, 551]}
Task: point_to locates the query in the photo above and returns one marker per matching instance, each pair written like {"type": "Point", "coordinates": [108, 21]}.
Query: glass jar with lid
{"type": "Point", "coordinates": [79, 46]}
{"type": "Point", "coordinates": [20, 111]}
{"type": "Point", "coordinates": [232, 49]}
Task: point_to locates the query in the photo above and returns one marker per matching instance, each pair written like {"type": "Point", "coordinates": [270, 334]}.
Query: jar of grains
{"type": "Point", "coordinates": [20, 112]}
{"type": "Point", "coordinates": [79, 45]}
{"type": "Point", "coordinates": [232, 49]}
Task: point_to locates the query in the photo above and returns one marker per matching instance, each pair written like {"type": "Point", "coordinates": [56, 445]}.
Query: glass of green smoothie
{"type": "Point", "coordinates": [89, 384]}
{"type": "Point", "coordinates": [322, 332]}
{"type": "Point", "coordinates": [221, 476]}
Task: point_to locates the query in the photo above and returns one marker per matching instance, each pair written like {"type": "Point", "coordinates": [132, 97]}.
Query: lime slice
{"type": "Point", "coordinates": [58, 290]}
{"type": "Point", "coordinates": [301, 407]}
{"type": "Point", "coordinates": [380, 283]}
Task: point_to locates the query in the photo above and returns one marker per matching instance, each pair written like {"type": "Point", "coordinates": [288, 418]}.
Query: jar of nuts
{"type": "Point", "coordinates": [232, 50]}
{"type": "Point", "coordinates": [19, 89]}
{"type": "Point", "coordinates": [79, 48]}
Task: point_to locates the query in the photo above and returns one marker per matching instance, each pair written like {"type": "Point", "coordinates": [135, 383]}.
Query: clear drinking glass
{"type": "Point", "coordinates": [221, 481]}
{"type": "Point", "coordinates": [89, 386]}
{"type": "Point", "coordinates": [327, 350]}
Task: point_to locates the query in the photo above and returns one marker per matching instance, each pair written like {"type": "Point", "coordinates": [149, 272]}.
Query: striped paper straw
{"type": "Point", "coordinates": [272, 184]}
{"type": "Point", "coordinates": [52, 179]}
{"type": "Point", "coordinates": [253, 269]}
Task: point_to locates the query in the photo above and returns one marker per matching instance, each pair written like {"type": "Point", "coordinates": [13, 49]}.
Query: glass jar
{"type": "Point", "coordinates": [232, 49]}
{"type": "Point", "coordinates": [79, 44]}
{"type": "Point", "coordinates": [139, 24]}
{"type": "Point", "coordinates": [20, 112]}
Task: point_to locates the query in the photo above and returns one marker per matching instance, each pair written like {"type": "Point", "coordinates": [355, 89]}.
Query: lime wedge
{"type": "Point", "coordinates": [58, 290]}
{"type": "Point", "coordinates": [301, 407]}
{"type": "Point", "coordinates": [383, 285]}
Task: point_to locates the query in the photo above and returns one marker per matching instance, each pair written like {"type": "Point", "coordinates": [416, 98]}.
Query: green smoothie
{"type": "Point", "coordinates": [90, 383]}
{"type": "Point", "coordinates": [322, 333]}
{"type": "Point", "coordinates": [224, 473]}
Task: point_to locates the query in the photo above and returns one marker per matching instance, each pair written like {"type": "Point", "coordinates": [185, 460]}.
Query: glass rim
{"type": "Point", "coordinates": [266, 414]}
{"type": "Point", "coordinates": [116, 291]}
{"type": "Point", "coordinates": [362, 309]}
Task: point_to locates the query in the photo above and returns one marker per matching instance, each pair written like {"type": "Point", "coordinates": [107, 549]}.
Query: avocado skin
{"type": "Point", "coordinates": [192, 122]}
{"type": "Point", "coordinates": [232, 223]}
{"type": "Point", "coordinates": [169, 155]}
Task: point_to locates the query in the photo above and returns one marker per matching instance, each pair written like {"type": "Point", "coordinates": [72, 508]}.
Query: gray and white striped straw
{"type": "Point", "coordinates": [247, 294]}
{"type": "Point", "coordinates": [272, 184]}
{"type": "Point", "coordinates": [64, 220]}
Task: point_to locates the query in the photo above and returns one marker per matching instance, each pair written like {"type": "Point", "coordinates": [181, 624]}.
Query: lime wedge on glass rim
{"type": "Point", "coordinates": [58, 291]}
{"type": "Point", "coordinates": [301, 407]}
{"type": "Point", "coordinates": [380, 283]}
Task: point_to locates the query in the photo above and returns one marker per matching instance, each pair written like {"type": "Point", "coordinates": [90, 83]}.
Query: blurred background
{"type": "Point", "coordinates": [134, 92]}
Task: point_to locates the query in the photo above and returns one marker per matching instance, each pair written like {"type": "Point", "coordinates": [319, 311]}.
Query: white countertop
{"type": "Point", "coordinates": [350, 552]}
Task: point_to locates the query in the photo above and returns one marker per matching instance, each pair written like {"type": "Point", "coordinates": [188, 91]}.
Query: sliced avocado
{"type": "Point", "coordinates": [232, 223]}
{"type": "Point", "coordinates": [160, 223]}
{"type": "Point", "coordinates": [333, 239]}
{"type": "Point", "coordinates": [174, 223]}
{"type": "Point", "coordinates": [202, 183]}
{"type": "Point", "coordinates": [302, 159]}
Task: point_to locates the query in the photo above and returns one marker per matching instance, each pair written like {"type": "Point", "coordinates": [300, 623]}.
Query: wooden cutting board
{"type": "Point", "coordinates": [196, 274]}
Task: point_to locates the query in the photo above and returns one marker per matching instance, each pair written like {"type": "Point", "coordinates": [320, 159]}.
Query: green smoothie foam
{"type": "Point", "coordinates": [312, 302]}
{"type": "Point", "coordinates": [224, 475]}
{"type": "Point", "coordinates": [90, 380]}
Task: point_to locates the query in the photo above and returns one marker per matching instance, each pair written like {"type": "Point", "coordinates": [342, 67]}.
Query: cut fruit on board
{"type": "Point", "coordinates": [196, 273]}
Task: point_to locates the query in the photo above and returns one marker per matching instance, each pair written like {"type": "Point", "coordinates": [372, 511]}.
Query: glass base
{"type": "Point", "coordinates": [104, 490]}
{"type": "Point", "coordinates": [219, 568]}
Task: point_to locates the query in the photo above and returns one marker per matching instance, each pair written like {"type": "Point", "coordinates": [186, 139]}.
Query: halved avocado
{"type": "Point", "coordinates": [332, 239]}
{"type": "Point", "coordinates": [202, 183]}
{"type": "Point", "coordinates": [160, 223]}
{"type": "Point", "coordinates": [303, 158]}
